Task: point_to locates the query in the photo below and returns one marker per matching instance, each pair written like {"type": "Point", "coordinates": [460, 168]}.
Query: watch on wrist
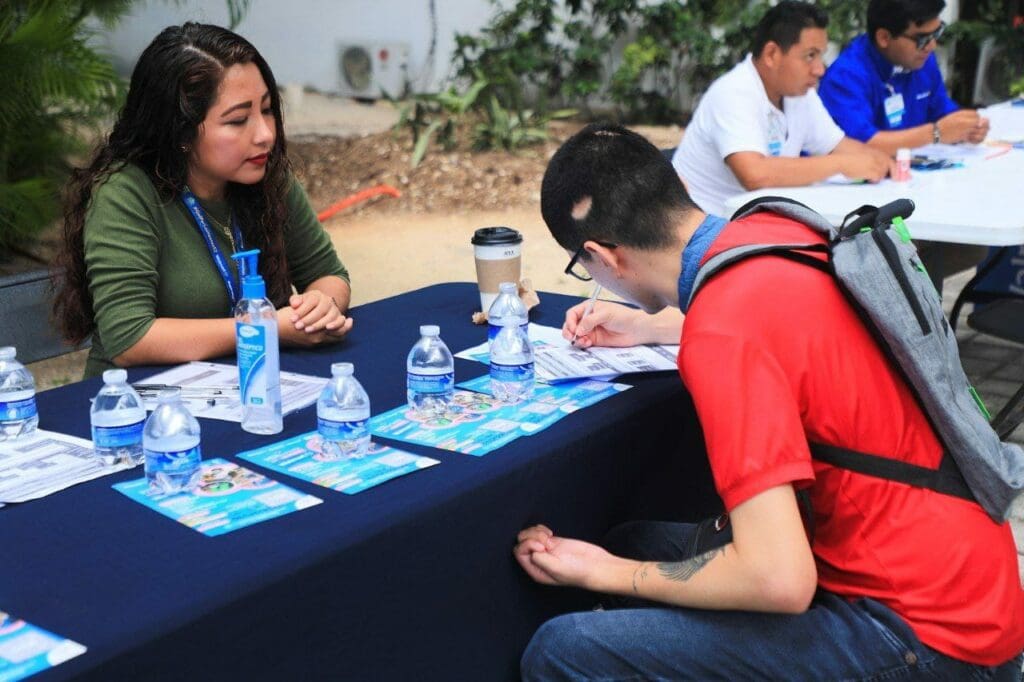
{"type": "Point", "coordinates": [936, 137]}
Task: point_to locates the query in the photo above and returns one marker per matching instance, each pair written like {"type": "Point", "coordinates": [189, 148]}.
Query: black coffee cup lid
{"type": "Point", "coordinates": [495, 236]}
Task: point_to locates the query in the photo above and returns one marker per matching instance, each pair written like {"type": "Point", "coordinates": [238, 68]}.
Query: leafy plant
{"type": "Point", "coordinates": [506, 129]}
{"type": "Point", "coordinates": [55, 83]}
{"type": "Point", "coordinates": [846, 19]}
{"type": "Point", "coordinates": [514, 55]}
{"type": "Point", "coordinates": [1001, 22]}
{"type": "Point", "coordinates": [1017, 87]}
{"type": "Point", "coordinates": [440, 114]}
{"type": "Point", "coordinates": [641, 55]}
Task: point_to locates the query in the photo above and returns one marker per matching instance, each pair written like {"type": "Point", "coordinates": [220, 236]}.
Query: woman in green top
{"type": "Point", "coordinates": [147, 270]}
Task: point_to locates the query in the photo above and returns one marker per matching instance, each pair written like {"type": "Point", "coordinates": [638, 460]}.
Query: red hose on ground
{"type": "Point", "coordinates": [352, 200]}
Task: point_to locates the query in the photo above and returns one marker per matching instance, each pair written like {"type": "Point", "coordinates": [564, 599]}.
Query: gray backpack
{"type": "Point", "coordinates": [877, 267]}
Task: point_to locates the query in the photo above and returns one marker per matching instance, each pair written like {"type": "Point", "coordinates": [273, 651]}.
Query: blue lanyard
{"type": "Point", "coordinates": [192, 204]}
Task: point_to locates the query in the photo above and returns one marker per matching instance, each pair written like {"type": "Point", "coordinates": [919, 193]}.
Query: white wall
{"type": "Point", "coordinates": [300, 38]}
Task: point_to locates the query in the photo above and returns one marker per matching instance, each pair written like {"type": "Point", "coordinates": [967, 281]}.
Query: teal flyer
{"type": "Point", "coordinates": [303, 458]}
{"type": "Point", "coordinates": [26, 649]}
{"type": "Point", "coordinates": [476, 424]}
{"type": "Point", "coordinates": [568, 395]}
{"type": "Point", "coordinates": [227, 497]}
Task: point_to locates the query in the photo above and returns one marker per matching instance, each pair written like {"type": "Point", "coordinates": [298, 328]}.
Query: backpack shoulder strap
{"type": "Point", "coordinates": [723, 260]}
{"type": "Point", "coordinates": [789, 208]}
{"type": "Point", "coordinates": [946, 479]}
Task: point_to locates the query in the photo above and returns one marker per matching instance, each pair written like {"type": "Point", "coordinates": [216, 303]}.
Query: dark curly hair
{"type": "Point", "coordinates": [174, 84]}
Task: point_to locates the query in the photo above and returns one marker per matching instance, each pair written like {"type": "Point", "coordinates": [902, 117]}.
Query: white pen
{"type": "Point", "coordinates": [586, 311]}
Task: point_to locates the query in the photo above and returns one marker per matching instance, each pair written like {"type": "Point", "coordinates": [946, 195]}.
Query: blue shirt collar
{"type": "Point", "coordinates": [886, 69]}
{"type": "Point", "coordinates": [693, 253]}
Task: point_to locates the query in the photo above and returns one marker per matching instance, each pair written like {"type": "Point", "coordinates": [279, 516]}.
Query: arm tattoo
{"type": "Point", "coordinates": [684, 570]}
{"type": "Point", "coordinates": [642, 570]}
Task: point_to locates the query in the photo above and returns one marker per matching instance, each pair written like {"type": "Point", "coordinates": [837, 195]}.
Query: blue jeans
{"type": "Point", "coordinates": [833, 640]}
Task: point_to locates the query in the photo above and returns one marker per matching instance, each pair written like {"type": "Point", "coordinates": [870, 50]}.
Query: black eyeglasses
{"type": "Point", "coordinates": [576, 268]}
{"type": "Point", "coordinates": [922, 39]}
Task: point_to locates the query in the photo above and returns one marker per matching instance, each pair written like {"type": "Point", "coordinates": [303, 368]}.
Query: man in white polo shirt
{"type": "Point", "coordinates": [753, 123]}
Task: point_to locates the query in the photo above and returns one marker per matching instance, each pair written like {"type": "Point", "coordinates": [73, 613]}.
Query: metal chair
{"type": "Point", "coordinates": [969, 293]}
{"type": "Point", "coordinates": [1004, 319]}
{"type": "Point", "coordinates": [25, 301]}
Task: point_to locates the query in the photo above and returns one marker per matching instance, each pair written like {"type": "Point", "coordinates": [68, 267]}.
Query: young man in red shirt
{"type": "Point", "coordinates": [884, 579]}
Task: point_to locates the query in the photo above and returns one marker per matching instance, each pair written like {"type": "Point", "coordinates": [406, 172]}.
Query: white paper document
{"type": "Point", "coordinates": [1006, 122]}
{"type": "Point", "coordinates": [561, 363]}
{"type": "Point", "coordinates": [45, 462]}
{"type": "Point", "coordinates": [555, 359]}
{"type": "Point", "coordinates": [951, 152]}
{"type": "Point", "coordinates": [210, 390]}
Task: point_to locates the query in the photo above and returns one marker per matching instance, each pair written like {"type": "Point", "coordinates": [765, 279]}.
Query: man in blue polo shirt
{"type": "Point", "coordinates": [885, 89]}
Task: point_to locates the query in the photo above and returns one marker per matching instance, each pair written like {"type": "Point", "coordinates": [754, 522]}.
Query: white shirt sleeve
{"type": "Point", "coordinates": [739, 125]}
{"type": "Point", "coordinates": [824, 134]}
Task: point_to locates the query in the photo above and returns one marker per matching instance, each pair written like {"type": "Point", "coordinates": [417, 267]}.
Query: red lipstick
{"type": "Point", "coordinates": [260, 160]}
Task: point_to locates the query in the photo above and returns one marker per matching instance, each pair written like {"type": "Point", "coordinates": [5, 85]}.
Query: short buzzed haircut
{"type": "Point", "coordinates": [608, 183]}
{"type": "Point", "coordinates": [896, 16]}
{"type": "Point", "coordinates": [783, 24]}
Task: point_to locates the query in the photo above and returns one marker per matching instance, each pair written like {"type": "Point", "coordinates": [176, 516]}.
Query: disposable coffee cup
{"type": "Point", "coordinates": [498, 255]}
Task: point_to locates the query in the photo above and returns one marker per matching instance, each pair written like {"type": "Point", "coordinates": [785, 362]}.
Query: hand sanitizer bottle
{"type": "Point", "coordinates": [259, 375]}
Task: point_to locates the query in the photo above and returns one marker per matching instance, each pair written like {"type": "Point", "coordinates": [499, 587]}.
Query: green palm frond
{"type": "Point", "coordinates": [47, 63]}
{"type": "Point", "coordinates": [24, 207]}
{"type": "Point", "coordinates": [54, 83]}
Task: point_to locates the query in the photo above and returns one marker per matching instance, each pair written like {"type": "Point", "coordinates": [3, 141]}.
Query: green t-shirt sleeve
{"type": "Point", "coordinates": [122, 251]}
{"type": "Point", "coordinates": [309, 250]}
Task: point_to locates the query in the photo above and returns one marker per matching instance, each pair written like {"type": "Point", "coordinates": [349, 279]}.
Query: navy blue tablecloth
{"type": "Point", "coordinates": [411, 580]}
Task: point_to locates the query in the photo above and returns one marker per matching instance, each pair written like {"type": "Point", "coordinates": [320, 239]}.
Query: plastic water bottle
{"type": "Point", "coordinates": [511, 364]}
{"type": "Point", "coordinates": [18, 415]}
{"type": "Point", "coordinates": [341, 414]}
{"type": "Point", "coordinates": [430, 378]}
{"type": "Point", "coordinates": [171, 444]}
{"type": "Point", "coordinates": [118, 417]}
{"type": "Point", "coordinates": [507, 308]}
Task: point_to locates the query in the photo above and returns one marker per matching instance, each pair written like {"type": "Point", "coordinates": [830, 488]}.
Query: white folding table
{"type": "Point", "coordinates": [981, 202]}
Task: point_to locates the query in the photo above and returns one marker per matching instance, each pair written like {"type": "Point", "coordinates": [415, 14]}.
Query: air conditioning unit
{"type": "Point", "coordinates": [994, 75]}
{"type": "Point", "coordinates": [372, 71]}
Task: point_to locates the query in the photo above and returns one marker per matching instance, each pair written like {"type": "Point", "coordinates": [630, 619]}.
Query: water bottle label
{"type": "Point", "coordinates": [16, 410]}
{"type": "Point", "coordinates": [118, 436]}
{"type": "Point", "coordinates": [332, 430]}
{"type": "Point", "coordinates": [254, 370]}
{"type": "Point", "coordinates": [173, 462]}
{"type": "Point", "coordinates": [512, 373]}
{"type": "Point", "coordinates": [493, 329]}
{"type": "Point", "coordinates": [430, 383]}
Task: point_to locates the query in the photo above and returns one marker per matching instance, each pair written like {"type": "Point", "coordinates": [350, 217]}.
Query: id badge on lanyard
{"type": "Point", "coordinates": [894, 108]}
{"type": "Point", "coordinates": [776, 132]}
{"type": "Point", "coordinates": [199, 216]}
